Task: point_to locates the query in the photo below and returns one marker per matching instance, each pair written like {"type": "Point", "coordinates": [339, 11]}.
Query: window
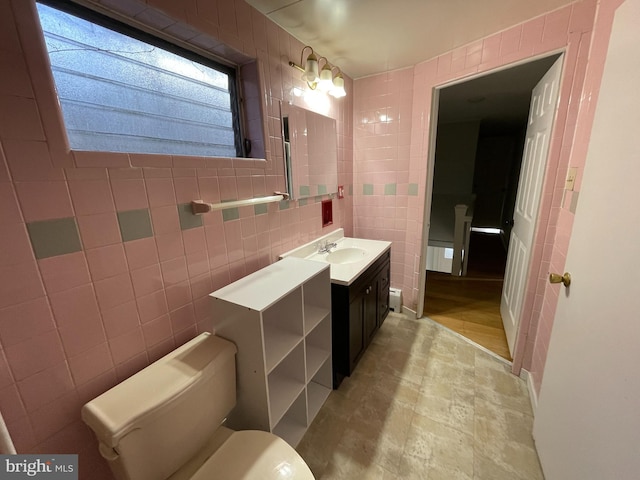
{"type": "Point", "coordinates": [122, 90]}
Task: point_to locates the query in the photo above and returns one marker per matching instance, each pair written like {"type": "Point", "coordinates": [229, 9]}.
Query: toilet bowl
{"type": "Point", "coordinates": [165, 422]}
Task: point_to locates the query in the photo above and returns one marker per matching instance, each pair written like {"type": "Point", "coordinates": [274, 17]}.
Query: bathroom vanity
{"type": "Point", "coordinates": [360, 275]}
{"type": "Point", "coordinates": [358, 311]}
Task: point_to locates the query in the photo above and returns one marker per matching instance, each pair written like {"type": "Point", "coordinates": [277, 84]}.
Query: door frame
{"type": "Point", "coordinates": [523, 327]}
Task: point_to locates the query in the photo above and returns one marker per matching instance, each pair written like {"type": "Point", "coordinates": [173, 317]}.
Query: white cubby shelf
{"type": "Point", "coordinates": [280, 320]}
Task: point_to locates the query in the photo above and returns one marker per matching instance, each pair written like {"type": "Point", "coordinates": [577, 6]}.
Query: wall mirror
{"type": "Point", "coordinates": [310, 150]}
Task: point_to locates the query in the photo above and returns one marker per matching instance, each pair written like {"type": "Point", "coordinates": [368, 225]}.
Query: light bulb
{"type": "Point", "coordinates": [310, 74]}
{"type": "Point", "coordinates": [326, 79]}
{"type": "Point", "coordinates": [338, 90]}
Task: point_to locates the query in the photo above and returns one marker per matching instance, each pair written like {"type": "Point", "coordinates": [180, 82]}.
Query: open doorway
{"type": "Point", "coordinates": [478, 153]}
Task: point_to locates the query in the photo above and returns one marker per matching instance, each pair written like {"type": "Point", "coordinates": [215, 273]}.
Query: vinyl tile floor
{"type": "Point", "coordinates": [424, 404]}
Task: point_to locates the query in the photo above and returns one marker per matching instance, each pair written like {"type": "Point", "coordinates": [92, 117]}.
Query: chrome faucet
{"type": "Point", "coordinates": [326, 246]}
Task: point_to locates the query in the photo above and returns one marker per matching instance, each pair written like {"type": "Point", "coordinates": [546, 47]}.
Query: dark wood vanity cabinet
{"type": "Point", "coordinates": [357, 312]}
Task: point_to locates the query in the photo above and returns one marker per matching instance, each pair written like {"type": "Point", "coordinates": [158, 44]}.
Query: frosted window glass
{"type": "Point", "coordinates": [120, 94]}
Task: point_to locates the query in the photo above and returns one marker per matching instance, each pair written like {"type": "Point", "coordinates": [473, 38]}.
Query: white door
{"type": "Point", "coordinates": [587, 424]}
{"type": "Point", "coordinates": [544, 102]}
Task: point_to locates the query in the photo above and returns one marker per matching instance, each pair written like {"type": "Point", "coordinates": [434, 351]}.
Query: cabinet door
{"type": "Point", "coordinates": [356, 331]}
{"type": "Point", "coordinates": [383, 294]}
{"type": "Point", "coordinates": [370, 313]}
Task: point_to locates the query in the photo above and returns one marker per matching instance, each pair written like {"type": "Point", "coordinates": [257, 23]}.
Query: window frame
{"type": "Point", "coordinates": [163, 42]}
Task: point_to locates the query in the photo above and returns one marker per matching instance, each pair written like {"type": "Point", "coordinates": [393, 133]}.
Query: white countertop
{"type": "Point", "coordinates": [261, 289]}
{"type": "Point", "coordinates": [346, 273]}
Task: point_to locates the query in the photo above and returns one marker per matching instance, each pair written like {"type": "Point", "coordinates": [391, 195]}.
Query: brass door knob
{"type": "Point", "coordinates": [557, 278]}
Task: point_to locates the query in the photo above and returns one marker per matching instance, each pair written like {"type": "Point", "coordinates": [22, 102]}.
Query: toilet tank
{"type": "Point", "coordinates": [152, 423]}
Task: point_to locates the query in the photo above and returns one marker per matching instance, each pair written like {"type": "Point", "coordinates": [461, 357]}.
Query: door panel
{"type": "Point", "coordinates": [513, 291]}
{"type": "Point", "coordinates": [383, 294]}
{"type": "Point", "coordinates": [356, 331]}
{"type": "Point", "coordinates": [544, 101]}
{"type": "Point", "coordinates": [587, 424]}
{"type": "Point", "coordinates": [370, 316]}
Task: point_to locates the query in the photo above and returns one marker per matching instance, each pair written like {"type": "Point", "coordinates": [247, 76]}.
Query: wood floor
{"type": "Point", "coordinates": [470, 305]}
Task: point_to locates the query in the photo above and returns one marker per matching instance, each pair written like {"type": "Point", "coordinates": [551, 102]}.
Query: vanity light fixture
{"type": "Point", "coordinates": [324, 80]}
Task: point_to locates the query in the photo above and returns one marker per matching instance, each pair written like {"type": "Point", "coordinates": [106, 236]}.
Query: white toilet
{"type": "Point", "coordinates": [164, 422]}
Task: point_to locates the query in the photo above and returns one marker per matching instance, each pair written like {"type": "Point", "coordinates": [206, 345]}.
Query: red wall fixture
{"type": "Point", "coordinates": [327, 212]}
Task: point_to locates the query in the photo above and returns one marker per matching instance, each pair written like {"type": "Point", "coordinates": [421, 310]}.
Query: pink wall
{"type": "Point", "coordinates": [382, 141]}
{"type": "Point", "coordinates": [73, 325]}
{"type": "Point", "coordinates": [588, 98]}
{"type": "Point", "coordinates": [569, 29]}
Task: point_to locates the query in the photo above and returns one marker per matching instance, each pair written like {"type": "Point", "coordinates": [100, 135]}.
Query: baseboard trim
{"type": "Point", "coordinates": [406, 309]}
{"type": "Point", "coordinates": [533, 396]}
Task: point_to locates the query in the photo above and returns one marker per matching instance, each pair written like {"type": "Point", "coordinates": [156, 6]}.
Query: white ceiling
{"type": "Point", "coordinates": [499, 100]}
{"type": "Point", "coordinates": [365, 37]}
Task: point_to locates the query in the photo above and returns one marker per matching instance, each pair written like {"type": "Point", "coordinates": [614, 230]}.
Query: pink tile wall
{"type": "Point", "coordinates": [382, 139]}
{"type": "Point", "coordinates": [569, 29]}
{"type": "Point", "coordinates": [581, 119]}
{"type": "Point", "coordinates": [73, 325]}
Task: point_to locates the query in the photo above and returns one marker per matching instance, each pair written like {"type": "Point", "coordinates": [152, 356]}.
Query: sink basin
{"type": "Point", "coordinates": [346, 255]}
{"type": "Point", "coordinates": [349, 258]}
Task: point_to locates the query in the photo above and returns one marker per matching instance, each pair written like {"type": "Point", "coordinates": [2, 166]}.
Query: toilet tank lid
{"type": "Point", "coordinates": [116, 412]}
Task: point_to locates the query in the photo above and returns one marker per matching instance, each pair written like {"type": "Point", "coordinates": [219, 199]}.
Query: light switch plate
{"type": "Point", "coordinates": [571, 178]}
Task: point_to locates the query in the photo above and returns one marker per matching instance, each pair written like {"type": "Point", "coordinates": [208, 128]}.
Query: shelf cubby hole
{"type": "Point", "coordinates": [283, 330]}
{"type": "Point", "coordinates": [317, 300]}
{"type": "Point", "coordinates": [293, 424]}
{"type": "Point", "coordinates": [318, 389]}
{"type": "Point", "coordinates": [318, 347]}
{"type": "Point", "coordinates": [285, 382]}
